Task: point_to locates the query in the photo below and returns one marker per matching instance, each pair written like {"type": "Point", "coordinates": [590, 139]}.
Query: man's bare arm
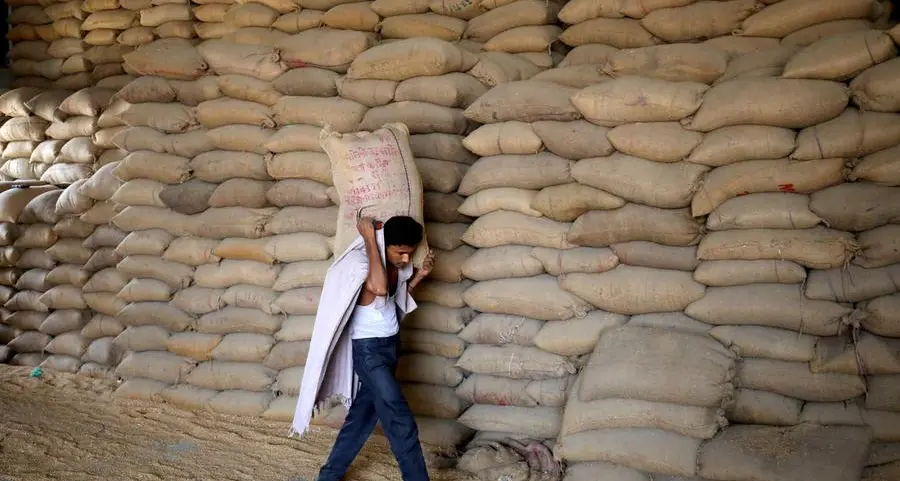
{"type": "Point", "coordinates": [376, 281]}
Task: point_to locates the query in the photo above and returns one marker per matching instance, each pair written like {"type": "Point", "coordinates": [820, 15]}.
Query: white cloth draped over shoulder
{"type": "Point", "coordinates": [328, 375]}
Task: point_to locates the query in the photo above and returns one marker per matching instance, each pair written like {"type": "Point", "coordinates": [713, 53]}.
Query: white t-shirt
{"type": "Point", "coordinates": [379, 319]}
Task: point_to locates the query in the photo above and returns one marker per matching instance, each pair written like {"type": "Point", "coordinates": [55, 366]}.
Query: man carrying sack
{"type": "Point", "coordinates": [355, 344]}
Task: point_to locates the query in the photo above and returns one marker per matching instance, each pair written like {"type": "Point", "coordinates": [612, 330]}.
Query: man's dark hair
{"type": "Point", "coordinates": [402, 230]}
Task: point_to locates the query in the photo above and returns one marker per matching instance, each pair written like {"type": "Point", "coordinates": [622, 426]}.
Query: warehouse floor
{"type": "Point", "coordinates": [66, 427]}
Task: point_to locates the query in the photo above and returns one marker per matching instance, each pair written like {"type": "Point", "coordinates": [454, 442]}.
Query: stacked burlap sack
{"type": "Point", "coordinates": [666, 162]}
{"type": "Point", "coordinates": [43, 37]}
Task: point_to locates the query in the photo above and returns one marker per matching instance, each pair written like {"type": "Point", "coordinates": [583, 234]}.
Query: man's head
{"type": "Point", "coordinates": [402, 234]}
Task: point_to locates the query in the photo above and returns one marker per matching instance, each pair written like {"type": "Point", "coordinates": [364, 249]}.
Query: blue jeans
{"type": "Point", "coordinates": [379, 398]}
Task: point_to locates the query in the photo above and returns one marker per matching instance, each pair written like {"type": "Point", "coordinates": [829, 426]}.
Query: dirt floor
{"type": "Point", "coordinates": [66, 427]}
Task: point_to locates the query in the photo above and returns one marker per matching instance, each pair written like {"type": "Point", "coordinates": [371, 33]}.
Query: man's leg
{"type": "Point", "coordinates": [393, 411]}
{"type": "Point", "coordinates": [358, 426]}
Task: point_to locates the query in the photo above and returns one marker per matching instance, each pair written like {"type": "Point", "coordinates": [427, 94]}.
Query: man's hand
{"type": "Point", "coordinates": [366, 228]}
{"type": "Point", "coordinates": [427, 265]}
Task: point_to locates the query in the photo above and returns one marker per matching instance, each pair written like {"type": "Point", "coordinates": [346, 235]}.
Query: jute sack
{"type": "Point", "coordinates": [500, 391]}
{"type": "Point", "coordinates": [142, 338]}
{"type": "Point", "coordinates": [191, 251]}
{"type": "Point", "coordinates": [856, 206]}
{"type": "Point", "coordinates": [882, 167]}
{"type": "Point", "coordinates": [69, 251]}
{"type": "Point", "coordinates": [166, 118]}
{"type": "Point", "coordinates": [219, 222]}
{"type": "Point", "coordinates": [341, 115]}
{"type": "Point", "coordinates": [296, 328]}
{"type": "Point", "coordinates": [353, 16]}
{"type": "Point", "coordinates": [773, 305]}
{"type": "Point", "coordinates": [882, 395]}
{"type": "Point", "coordinates": [246, 138]}
{"type": "Point", "coordinates": [835, 453]}
{"type": "Point", "coordinates": [576, 337]}
{"type": "Point", "coordinates": [617, 290]}
{"type": "Point", "coordinates": [567, 202]}
{"type": "Point", "coordinates": [881, 315]}
{"type": "Point", "coordinates": [313, 166]}
{"type": "Point", "coordinates": [648, 254]}
{"type": "Point", "coordinates": [603, 470]}
{"type": "Point", "coordinates": [594, 54]}
{"type": "Point", "coordinates": [675, 63]}
{"type": "Point", "coordinates": [106, 280]}
{"type": "Point", "coordinates": [439, 318]}
{"type": "Point", "coordinates": [699, 20]}
{"type": "Point", "coordinates": [635, 222]}
{"type": "Point", "coordinates": [766, 342]}
{"type": "Point", "coordinates": [141, 290]}
{"type": "Point", "coordinates": [736, 272]}
{"type": "Point", "coordinates": [232, 272]}
{"type": "Point", "coordinates": [654, 364]}
{"type": "Point", "coordinates": [782, 175]}
{"type": "Point", "coordinates": [536, 422]}
{"type": "Point", "coordinates": [303, 273]}
{"type": "Point", "coordinates": [62, 321]}
{"type": "Point", "coordinates": [616, 32]}
{"type": "Point", "coordinates": [760, 407]}
{"type": "Point", "coordinates": [257, 61]}
{"type": "Point", "coordinates": [852, 134]}
{"type": "Point", "coordinates": [655, 184]}
{"type": "Point", "coordinates": [243, 347]}
{"type": "Point", "coordinates": [238, 319]}
{"type": "Point", "coordinates": [580, 259]}
{"type": "Point", "coordinates": [781, 19]}
{"type": "Point", "coordinates": [447, 294]}
{"type": "Point", "coordinates": [617, 102]}
{"type": "Point", "coordinates": [657, 141]}
{"type": "Point", "coordinates": [434, 401]}
{"type": "Point", "coordinates": [501, 262]}
{"type": "Point", "coordinates": [524, 40]}
{"type": "Point", "coordinates": [140, 192]}
{"type": "Point", "coordinates": [539, 297]}
{"type": "Point", "coordinates": [448, 264]}
{"type": "Point", "coordinates": [29, 341]}
{"type": "Point", "coordinates": [331, 49]}
{"type": "Point", "coordinates": [220, 375]}
{"type": "Point", "coordinates": [788, 103]}
{"type": "Point", "coordinates": [486, 25]}
{"type": "Point", "coordinates": [422, 25]}
{"type": "Point", "coordinates": [520, 171]}
{"type": "Point", "coordinates": [512, 228]}
{"type": "Point", "coordinates": [880, 247]}
{"type": "Point", "coordinates": [401, 195]}
{"type": "Point", "coordinates": [251, 297]}
{"type": "Point", "coordinates": [187, 144]}
{"type": "Point", "coordinates": [876, 88]}
{"type": "Point", "coordinates": [693, 421]}
{"type": "Point", "coordinates": [866, 355]}
{"type": "Point", "coordinates": [419, 118]}
{"type": "Point", "coordinates": [653, 450]}
{"type": "Point", "coordinates": [198, 300]}
{"type": "Point", "coordinates": [175, 274]}
{"type": "Point", "coordinates": [287, 354]}
{"type": "Point", "coordinates": [307, 82]}
{"type": "Point", "coordinates": [767, 210]}
{"type": "Point", "coordinates": [410, 58]}
{"type": "Point", "coordinates": [431, 342]}
{"type": "Point", "coordinates": [457, 90]}
{"type": "Point", "coordinates": [498, 68]}
{"type": "Point", "coordinates": [508, 138]}
{"type": "Point", "coordinates": [579, 11]}
{"type": "Point", "coordinates": [525, 101]}
{"type": "Point", "coordinates": [225, 111]}
{"type": "Point", "coordinates": [764, 63]}
{"type": "Point", "coordinates": [240, 192]}
{"type": "Point", "coordinates": [422, 368]}
{"type": "Point", "coordinates": [247, 88]}
{"type": "Point", "coordinates": [812, 34]}
{"type": "Point", "coordinates": [148, 242]}
{"type": "Point", "coordinates": [577, 77]}
{"type": "Point", "coordinates": [515, 362]}
{"type": "Point", "coordinates": [841, 57]}
{"type": "Point", "coordinates": [240, 402]}
{"type": "Point", "coordinates": [159, 366]}
{"type": "Point", "coordinates": [298, 192]}
{"type": "Point", "coordinates": [815, 248]}
{"type": "Point", "coordinates": [490, 200]}
{"type": "Point", "coordinates": [499, 329]}
{"type": "Point", "coordinates": [371, 93]}
{"type": "Point", "coordinates": [853, 283]}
